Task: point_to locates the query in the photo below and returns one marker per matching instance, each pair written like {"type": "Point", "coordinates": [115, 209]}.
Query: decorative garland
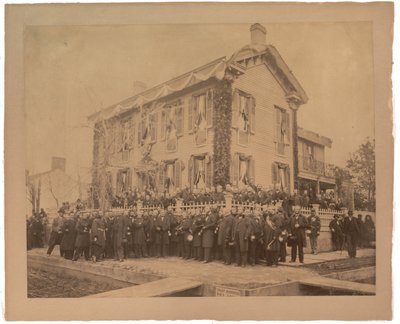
{"type": "Point", "coordinates": [222, 119]}
{"type": "Point", "coordinates": [95, 166]}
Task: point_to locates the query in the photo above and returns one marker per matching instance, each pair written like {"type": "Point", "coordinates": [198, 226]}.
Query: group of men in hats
{"type": "Point", "coordinates": [239, 236]}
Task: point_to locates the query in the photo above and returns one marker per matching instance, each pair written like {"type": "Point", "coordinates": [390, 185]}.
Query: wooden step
{"type": "Point", "coordinates": [158, 288]}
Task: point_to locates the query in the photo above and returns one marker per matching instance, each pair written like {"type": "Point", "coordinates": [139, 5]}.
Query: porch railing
{"type": "Point", "coordinates": [318, 167]}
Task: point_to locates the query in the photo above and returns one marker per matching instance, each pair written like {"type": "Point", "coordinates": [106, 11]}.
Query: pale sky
{"type": "Point", "coordinates": [70, 72]}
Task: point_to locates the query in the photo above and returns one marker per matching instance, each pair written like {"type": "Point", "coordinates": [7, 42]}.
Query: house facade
{"type": "Point", "coordinates": [230, 121]}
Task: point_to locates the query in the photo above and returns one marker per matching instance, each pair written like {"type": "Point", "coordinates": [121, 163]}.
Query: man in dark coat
{"type": "Point", "coordinates": [139, 236]}
{"type": "Point", "coordinates": [256, 235]}
{"type": "Point", "coordinates": [98, 238]}
{"type": "Point", "coordinates": [298, 225]}
{"type": "Point", "coordinates": [68, 238]}
{"type": "Point", "coordinates": [241, 232]}
{"type": "Point", "coordinates": [336, 227]}
{"type": "Point", "coordinates": [37, 232]}
{"type": "Point", "coordinates": [351, 232]}
{"type": "Point", "coordinates": [151, 233]}
{"type": "Point", "coordinates": [56, 232]}
{"type": "Point", "coordinates": [196, 230]}
{"type": "Point", "coordinates": [208, 233]}
{"type": "Point", "coordinates": [109, 248]}
{"type": "Point", "coordinates": [314, 227]}
{"type": "Point", "coordinates": [163, 233]}
{"type": "Point", "coordinates": [82, 241]}
{"type": "Point", "coordinates": [225, 234]}
{"type": "Point", "coordinates": [271, 240]}
{"type": "Point", "coordinates": [174, 239]}
{"type": "Point", "coordinates": [129, 245]}
{"type": "Point", "coordinates": [186, 230]}
{"type": "Point", "coordinates": [119, 236]}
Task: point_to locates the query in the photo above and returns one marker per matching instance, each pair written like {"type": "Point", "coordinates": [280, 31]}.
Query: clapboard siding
{"type": "Point", "coordinates": [261, 84]}
{"type": "Point", "coordinates": [185, 149]}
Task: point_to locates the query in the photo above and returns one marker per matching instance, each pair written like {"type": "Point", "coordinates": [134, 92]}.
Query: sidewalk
{"type": "Point", "coordinates": [327, 256]}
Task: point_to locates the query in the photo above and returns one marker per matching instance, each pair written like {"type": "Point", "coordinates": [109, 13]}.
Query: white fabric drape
{"type": "Point", "coordinates": [243, 171]}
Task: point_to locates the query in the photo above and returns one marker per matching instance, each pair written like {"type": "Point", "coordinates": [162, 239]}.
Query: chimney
{"type": "Point", "coordinates": [258, 34]}
{"type": "Point", "coordinates": [58, 163]}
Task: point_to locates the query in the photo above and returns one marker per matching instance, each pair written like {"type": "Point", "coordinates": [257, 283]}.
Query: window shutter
{"type": "Point", "coordinates": [235, 108]}
{"type": "Point", "coordinates": [119, 137]}
{"type": "Point", "coordinates": [111, 139]}
{"type": "Point", "coordinates": [132, 132]}
{"type": "Point", "coordinates": [161, 177]}
{"type": "Point", "coordinates": [190, 171]}
{"type": "Point", "coordinates": [287, 114]}
{"type": "Point", "coordinates": [277, 124]}
{"type": "Point", "coordinates": [179, 120]}
{"type": "Point", "coordinates": [209, 108]}
{"type": "Point", "coordinates": [178, 174]}
{"type": "Point", "coordinates": [128, 179]}
{"type": "Point", "coordinates": [209, 174]}
{"type": "Point", "coordinates": [163, 124]}
{"type": "Point", "coordinates": [191, 116]}
{"type": "Point", "coordinates": [154, 124]}
{"type": "Point", "coordinates": [252, 170]}
{"type": "Point", "coordinates": [252, 114]}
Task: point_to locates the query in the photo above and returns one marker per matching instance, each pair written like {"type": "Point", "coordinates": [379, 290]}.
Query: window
{"type": "Point", "coordinates": [201, 115]}
{"type": "Point", "coordinates": [282, 130]}
{"type": "Point", "coordinates": [172, 125]}
{"type": "Point", "coordinates": [170, 176]}
{"type": "Point", "coordinates": [281, 176]}
{"type": "Point", "coordinates": [242, 170]}
{"type": "Point", "coordinates": [124, 180]}
{"type": "Point", "coordinates": [243, 116]}
{"type": "Point", "coordinates": [147, 128]}
{"type": "Point", "coordinates": [201, 172]}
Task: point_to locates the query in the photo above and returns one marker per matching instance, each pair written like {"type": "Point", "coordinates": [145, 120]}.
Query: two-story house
{"type": "Point", "coordinates": [230, 121]}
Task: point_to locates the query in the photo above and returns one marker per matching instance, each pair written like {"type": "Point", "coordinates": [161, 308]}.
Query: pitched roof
{"type": "Point", "coordinates": [215, 69]}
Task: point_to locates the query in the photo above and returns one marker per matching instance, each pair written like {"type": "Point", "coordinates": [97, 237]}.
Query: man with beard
{"type": "Point", "coordinates": [37, 231]}
{"type": "Point", "coordinates": [163, 227]}
{"type": "Point", "coordinates": [225, 234]}
{"type": "Point", "coordinates": [68, 237]}
{"type": "Point", "coordinates": [98, 235]}
{"type": "Point", "coordinates": [109, 221]}
{"type": "Point", "coordinates": [208, 233]}
{"type": "Point", "coordinates": [352, 232]}
{"type": "Point", "coordinates": [119, 236]}
{"type": "Point", "coordinates": [241, 232]}
{"type": "Point", "coordinates": [185, 228]}
{"type": "Point", "coordinates": [271, 240]}
{"type": "Point", "coordinates": [129, 245]}
{"type": "Point", "coordinates": [151, 233]}
{"type": "Point", "coordinates": [139, 236]}
{"type": "Point", "coordinates": [314, 224]}
{"type": "Point", "coordinates": [298, 225]}
{"type": "Point", "coordinates": [336, 227]}
{"type": "Point", "coordinates": [256, 235]}
{"type": "Point", "coordinates": [196, 230]}
{"type": "Point", "coordinates": [56, 232]}
{"type": "Point", "coordinates": [82, 242]}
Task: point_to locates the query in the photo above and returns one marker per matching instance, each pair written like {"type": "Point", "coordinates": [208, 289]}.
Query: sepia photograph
{"type": "Point", "coordinates": [223, 159]}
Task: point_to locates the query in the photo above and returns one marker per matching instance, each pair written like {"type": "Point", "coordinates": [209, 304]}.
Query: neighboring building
{"type": "Point", "coordinates": [50, 189]}
{"type": "Point", "coordinates": [315, 174]}
{"type": "Point", "coordinates": [230, 121]}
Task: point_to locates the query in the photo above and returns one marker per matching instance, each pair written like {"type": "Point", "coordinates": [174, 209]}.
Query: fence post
{"type": "Point", "coordinates": [228, 200]}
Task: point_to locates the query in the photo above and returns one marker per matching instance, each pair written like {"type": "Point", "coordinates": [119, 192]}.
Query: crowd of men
{"type": "Point", "coordinates": [239, 236]}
